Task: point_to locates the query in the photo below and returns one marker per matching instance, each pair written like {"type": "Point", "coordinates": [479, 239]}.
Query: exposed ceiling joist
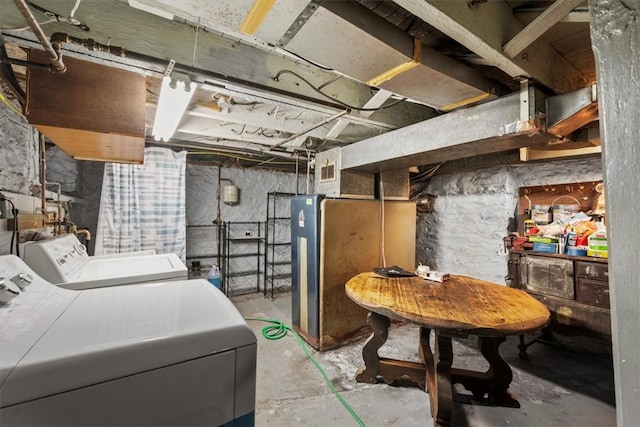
{"type": "Point", "coordinates": [529, 154]}
{"type": "Point", "coordinates": [231, 58]}
{"type": "Point", "coordinates": [367, 47]}
{"type": "Point", "coordinates": [547, 19]}
{"type": "Point", "coordinates": [310, 60]}
{"type": "Point", "coordinates": [485, 28]}
{"type": "Point", "coordinates": [577, 15]}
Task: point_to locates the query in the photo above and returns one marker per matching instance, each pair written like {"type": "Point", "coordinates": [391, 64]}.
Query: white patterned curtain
{"type": "Point", "coordinates": [143, 206]}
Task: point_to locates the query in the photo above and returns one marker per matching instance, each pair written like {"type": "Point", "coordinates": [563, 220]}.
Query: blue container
{"type": "Point", "coordinates": [214, 277]}
{"type": "Point", "coordinates": [576, 252]}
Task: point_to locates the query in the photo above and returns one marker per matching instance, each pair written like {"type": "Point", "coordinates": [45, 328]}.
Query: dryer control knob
{"type": "Point", "coordinates": [6, 293]}
{"type": "Point", "coordinates": [22, 280]}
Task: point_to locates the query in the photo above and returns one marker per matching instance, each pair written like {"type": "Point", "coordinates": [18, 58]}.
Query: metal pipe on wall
{"type": "Point", "coordinates": [58, 202]}
{"type": "Point", "coordinates": [54, 54]}
{"type": "Point", "coordinates": [218, 220]}
{"type": "Point", "coordinates": [43, 173]}
{"type": "Point", "coordinates": [297, 172]}
{"type": "Point", "coordinates": [308, 175]}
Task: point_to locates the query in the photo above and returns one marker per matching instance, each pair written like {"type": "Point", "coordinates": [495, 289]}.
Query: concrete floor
{"type": "Point", "coordinates": [557, 386]}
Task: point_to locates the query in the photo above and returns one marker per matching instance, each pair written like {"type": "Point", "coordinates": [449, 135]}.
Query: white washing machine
{"type": "Point", "coordinates": [64, 261]}
{"type": "Point", "coordinates": [172, 353]}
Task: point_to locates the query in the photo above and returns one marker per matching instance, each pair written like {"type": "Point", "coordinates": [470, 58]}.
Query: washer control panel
{"type": "Point", "coordinates": [57, 260]}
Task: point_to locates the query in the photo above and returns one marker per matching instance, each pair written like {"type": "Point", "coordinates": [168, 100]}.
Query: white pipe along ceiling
{"type": "Point", "coordinates": [285, 79]}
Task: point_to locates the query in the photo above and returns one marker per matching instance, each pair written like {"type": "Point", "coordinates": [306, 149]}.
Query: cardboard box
{"type": "Point", "coordinates": [598, 244]}
{"type": "Point", "coordinates": [550, 248]}
{"type": "Point", "coordinates": [541, 239]}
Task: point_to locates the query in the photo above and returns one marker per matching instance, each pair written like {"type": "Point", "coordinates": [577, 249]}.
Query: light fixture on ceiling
{"type": "Point", "coordinates": [225, 104]}
{"type": "Point", "coordinates": [175, 94]}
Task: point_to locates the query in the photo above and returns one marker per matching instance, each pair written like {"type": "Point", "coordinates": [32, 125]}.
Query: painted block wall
{"type": "Point", "coordinates": [463, 235]}
{"type": "Point", "coordinates": [18, 163]}
{"type": "Point", "coordinates": [472, 212]}
{"type": "Point", "coordinates": [18, 152]}
{"type": "Point", "coordinates": [253, 184]}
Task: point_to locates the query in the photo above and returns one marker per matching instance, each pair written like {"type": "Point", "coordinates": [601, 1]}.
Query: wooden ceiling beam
{"type": "Point", "coordinates": [484, 30]}
{"type": "Point", "coordinates": [539, 26]}
{"type": "Point", "coordinates": [577, 15]}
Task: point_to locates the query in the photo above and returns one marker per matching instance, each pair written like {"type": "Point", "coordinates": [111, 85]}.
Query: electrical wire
{"type": "Point", "coordinates": [75, 7]}
{"type": "Point", "coordinates": [309, 61]}
{"type": "Point", "coordinates": [48, 21]}
{"type": "Point", "coordinates": [65, 19]}
{"type": "Point", "coordinates": [15, 230]}
{"type": "Point", "coordinates": [277, 330]}
{"type": "Point", "coordinates": [14, 213]}
{"type": "Point", "coordinates": [10, 105]}
{"type": "Point", "coordinates": [426, 175]}
{"type": "Point", "coordinates": [384, 259]}
{"type": "Point", "coordinates": [332, 98]}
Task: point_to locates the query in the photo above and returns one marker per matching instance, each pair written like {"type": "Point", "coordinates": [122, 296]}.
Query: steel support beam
{"type": "Point", "coordinates": [484, 30]}
{"type": "Point", "coordinates": [487, 128]}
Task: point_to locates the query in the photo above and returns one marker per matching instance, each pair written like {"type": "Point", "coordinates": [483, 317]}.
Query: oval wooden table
{"type": "Point", "coordinates": [459, 307]}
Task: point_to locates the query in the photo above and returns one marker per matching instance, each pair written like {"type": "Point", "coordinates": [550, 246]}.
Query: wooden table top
{"type": "Point", "coordinates": [458, 305]}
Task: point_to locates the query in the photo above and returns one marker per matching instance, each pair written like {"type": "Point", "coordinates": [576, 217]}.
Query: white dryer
{"type": "Point", "coordinates": [64, 261]}
{"type": "Point", "coordinates": [173, 353]}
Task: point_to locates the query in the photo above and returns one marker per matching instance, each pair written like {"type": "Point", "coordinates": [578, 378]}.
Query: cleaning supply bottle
{"type": "Point", "coordinates": [214, 277]}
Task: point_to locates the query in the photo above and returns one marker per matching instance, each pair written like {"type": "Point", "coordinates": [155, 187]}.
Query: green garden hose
{"type": "Point", "coordinates": [276, 330]}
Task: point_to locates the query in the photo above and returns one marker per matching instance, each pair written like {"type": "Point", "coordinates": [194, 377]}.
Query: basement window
{"type": "Point", "coordinates": [328, 172]}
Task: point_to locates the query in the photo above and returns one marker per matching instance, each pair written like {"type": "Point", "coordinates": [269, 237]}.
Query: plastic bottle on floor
{"type": "Point", "coordinates": [214, 276]}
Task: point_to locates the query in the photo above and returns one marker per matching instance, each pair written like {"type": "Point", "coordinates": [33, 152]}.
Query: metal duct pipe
{"type": "Point", "coordinates": [54, 52]}
{"type": "Point", "coordinates": [507, 123]}
{"type": "Point", "coordinates": [572, 110]}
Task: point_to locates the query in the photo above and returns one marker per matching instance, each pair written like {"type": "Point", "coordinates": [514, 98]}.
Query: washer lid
{"type": "Point", "coordinates": [28, 316]}
{"type": "Point", "coordinates": [109, 333]}
{"type": "Point", "coordinates": [122, 270]}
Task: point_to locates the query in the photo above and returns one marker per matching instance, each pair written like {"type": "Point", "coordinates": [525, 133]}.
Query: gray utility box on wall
{"type": "Point", "coordinates": [334, 182]}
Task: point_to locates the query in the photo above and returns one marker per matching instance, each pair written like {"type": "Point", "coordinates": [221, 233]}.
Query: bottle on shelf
{"type": "Point", "coordinates": [214, 277]}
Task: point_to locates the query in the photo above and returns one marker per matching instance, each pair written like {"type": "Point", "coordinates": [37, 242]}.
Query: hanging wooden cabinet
{"type": "Point", "coordinates": [92, 112]}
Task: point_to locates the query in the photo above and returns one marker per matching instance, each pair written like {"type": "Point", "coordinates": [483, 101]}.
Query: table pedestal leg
{"type": "Point", "coordinates": [369, 372]}
{"type": "Point", "coordinates": [499, 373]}
{"type": "Point", "coordinates": [438, 375]}
{"type": "Point", "coordinates": [391, 371]}
{"type": "Point", "coordinates": [495, 381]}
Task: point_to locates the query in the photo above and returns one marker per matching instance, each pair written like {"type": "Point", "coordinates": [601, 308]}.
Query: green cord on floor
{"type": "Point", "coordinates": [276, 330]}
